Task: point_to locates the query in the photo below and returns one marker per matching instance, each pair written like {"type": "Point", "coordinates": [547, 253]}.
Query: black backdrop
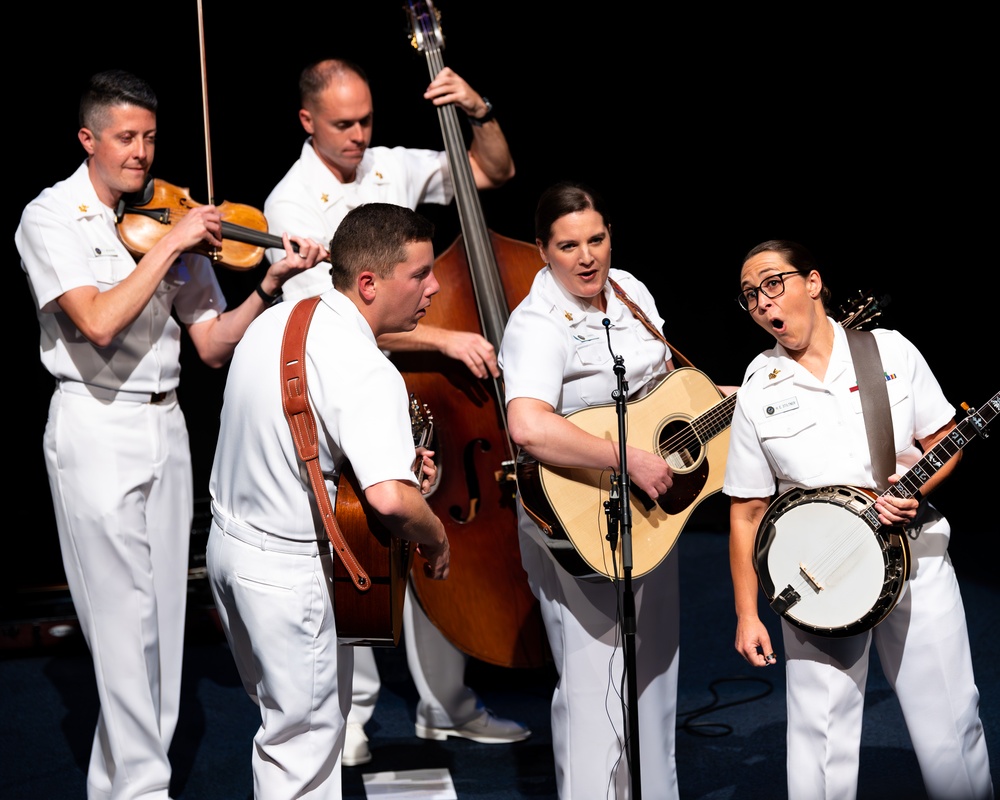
{"type": "Point", "coordinates": [866, 139]}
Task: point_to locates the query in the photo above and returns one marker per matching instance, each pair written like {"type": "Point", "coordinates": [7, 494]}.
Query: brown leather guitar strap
{"type": "Point", "coordinates": [679, 358]}
{"type": "Point", "coordinates": [302, 423]}
{"type": "Point", "coordinates": [870, 374]}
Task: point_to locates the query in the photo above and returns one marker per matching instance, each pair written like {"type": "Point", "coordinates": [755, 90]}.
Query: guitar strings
{"type": "Point", "coordinates": [698, 431]}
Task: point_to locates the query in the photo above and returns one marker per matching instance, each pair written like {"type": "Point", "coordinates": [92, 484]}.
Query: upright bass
{"type": "Point", "coordinates": [485, 608]}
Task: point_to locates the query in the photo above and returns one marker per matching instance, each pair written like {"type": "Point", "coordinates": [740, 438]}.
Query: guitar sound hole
{"type": "Point", "coordinates": [683, 452]}
{"type": "Point", "coordinates": [680, 446]}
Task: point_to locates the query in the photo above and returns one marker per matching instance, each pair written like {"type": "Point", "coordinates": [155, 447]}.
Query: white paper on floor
{"type": "Point", "coordinates": [413, 784]}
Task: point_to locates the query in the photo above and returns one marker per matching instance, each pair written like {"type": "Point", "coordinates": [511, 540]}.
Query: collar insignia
{"type": "Point", "coordinates": [325, 197]}
{"type": "Point", "coordinates": [568, 316]}
{"type": "Point", "coordinates": [774, 374]}
{"type": "Point", "coordinates": [82, 208]}
{"type": "Point", "coordinates": [378, 175]}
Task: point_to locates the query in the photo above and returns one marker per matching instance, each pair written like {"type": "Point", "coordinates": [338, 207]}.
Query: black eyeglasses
{"type": "Point", "coordinates": [772, 286]}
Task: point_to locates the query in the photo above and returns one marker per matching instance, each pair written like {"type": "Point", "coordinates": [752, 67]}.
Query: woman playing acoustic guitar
{"type": "Point", "coordinates": [556, 360]}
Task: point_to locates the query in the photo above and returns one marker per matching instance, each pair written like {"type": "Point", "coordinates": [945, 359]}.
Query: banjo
{"type": "Point", "coordinates": [823, 559]}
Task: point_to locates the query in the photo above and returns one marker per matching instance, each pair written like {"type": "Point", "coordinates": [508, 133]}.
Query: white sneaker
{"type": "Point", "coordinates": [485, 729]}
{"type": "Point", "coordinates": [356, 750]}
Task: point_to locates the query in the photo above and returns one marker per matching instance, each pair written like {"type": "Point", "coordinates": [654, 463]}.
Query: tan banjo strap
{"type": "Point", "coordinates": [302, 423]}
{"type": "Point", "coordinates": [874, 405]}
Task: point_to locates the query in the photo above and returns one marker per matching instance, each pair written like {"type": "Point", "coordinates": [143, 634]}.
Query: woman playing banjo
{"type": "Point", "coordinates": [798, 423]}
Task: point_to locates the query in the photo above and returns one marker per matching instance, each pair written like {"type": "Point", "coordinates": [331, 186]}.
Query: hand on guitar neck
{"type": "Point", "coordinates": [425, 469]}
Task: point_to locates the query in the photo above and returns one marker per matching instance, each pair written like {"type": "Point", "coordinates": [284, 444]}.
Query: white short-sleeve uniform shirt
{"type": "Point", "coordinates": [310, 201]}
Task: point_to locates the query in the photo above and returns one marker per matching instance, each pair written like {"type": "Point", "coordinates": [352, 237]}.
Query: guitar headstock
{"type": "Point", "coordinates": [425, 26]}
{"type": "Point", "coordinates": [421, 422]}
{"type": "Point", "coordinates": [861, 310]}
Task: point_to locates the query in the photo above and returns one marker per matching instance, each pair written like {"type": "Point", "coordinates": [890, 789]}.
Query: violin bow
{"type": "Point", "coordinates": [204, 103]}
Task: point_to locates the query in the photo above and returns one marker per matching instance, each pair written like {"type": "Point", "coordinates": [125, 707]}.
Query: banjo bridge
{"type": "Point", "coordinates": [813, 580]}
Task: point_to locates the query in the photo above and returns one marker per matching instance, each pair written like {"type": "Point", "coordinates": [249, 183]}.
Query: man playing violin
{"type": "Point", "coordinates": [337, 171]}
{"type": "Point", "coordinates": [116, 443]}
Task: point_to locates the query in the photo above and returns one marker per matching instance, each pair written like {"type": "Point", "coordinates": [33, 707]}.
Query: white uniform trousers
{"type": "Point", "coordinates": [276, 608]}
{"type": "Point", "coordinates": [923, 648]}
{"type": "Point", "coordinates": [436, 666]}
{"type": "Point", "coordinates": [588, 721]}
{"type": "Point", "coordinates": [120, 476]}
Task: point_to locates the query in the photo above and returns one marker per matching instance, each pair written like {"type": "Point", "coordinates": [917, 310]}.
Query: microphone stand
{"type": "Point", "coordinates": [619, 495]}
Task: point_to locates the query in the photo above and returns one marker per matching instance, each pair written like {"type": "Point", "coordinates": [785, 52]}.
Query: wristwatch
{"type": "Point", "coordinates": [269, 299]}
{"type": "Point", "coordinates": [478, 121]}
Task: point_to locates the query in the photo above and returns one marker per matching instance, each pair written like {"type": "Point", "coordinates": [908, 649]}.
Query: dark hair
{"type": "Point", "coordinates": [114, 87]}
{"type": "Point", "coordinates": [317, 76]}
{"type": "Point", "coordinates": [373, 238]}
{"type": "Point", "coordinates": [797, 256]}
{"type": "Point", "coordinates": [560, 199]}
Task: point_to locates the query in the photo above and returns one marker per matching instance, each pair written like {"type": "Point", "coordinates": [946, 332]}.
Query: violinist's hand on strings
{"type": "Point", "coordinates": [309, 254]}
{"type": "Point", "coordinates": [200, 225]}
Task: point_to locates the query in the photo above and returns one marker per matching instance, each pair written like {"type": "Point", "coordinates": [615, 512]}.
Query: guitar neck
{"type": "Point", "coordinates": [964, 432]}
{"type": "Point", "coordinates": [717, 419]}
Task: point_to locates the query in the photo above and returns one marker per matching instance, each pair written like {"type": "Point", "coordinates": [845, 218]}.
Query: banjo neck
{"type": "Point", "coordinates": [974, 424]}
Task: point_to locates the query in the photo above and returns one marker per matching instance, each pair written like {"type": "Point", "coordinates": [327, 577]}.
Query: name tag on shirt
{"type": "Point", "coordinates": [789, 404]}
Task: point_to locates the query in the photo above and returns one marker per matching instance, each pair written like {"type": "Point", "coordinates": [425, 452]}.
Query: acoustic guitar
{"type": "Point", "coordinates": [682, 420]}
{"type": "Point", "coordinates": [374, 617]}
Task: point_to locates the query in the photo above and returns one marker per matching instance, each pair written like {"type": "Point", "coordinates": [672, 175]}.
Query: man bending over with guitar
{"type": "Point", "coordinates": [798, 423]}
{"type": "Point", "coordinates": [269, 557]}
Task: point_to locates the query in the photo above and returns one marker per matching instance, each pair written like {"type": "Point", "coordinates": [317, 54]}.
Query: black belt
{"type": "Point", "coordinates": [100, 393]}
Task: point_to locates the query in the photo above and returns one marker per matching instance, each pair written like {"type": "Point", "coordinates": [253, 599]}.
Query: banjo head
{"type": "Point", "coordinates": [826, 564]}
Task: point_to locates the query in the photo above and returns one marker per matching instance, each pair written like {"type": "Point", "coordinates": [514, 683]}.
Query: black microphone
{"type": "Point", "coordinates": [607, 330]}
{"type": "Point", "coordinates": [619, 361]}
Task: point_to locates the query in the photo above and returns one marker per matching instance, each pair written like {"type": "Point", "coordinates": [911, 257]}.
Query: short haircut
{"type": "Point", "coordinates": [318, 75]}
{"type": "Point", "coordinates": [115, 87]}
{"type": "Point", "coordinates": [373, 238]}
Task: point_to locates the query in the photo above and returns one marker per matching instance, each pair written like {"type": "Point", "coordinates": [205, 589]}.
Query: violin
{"type": "Point", "coordinates": [145, 218]}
